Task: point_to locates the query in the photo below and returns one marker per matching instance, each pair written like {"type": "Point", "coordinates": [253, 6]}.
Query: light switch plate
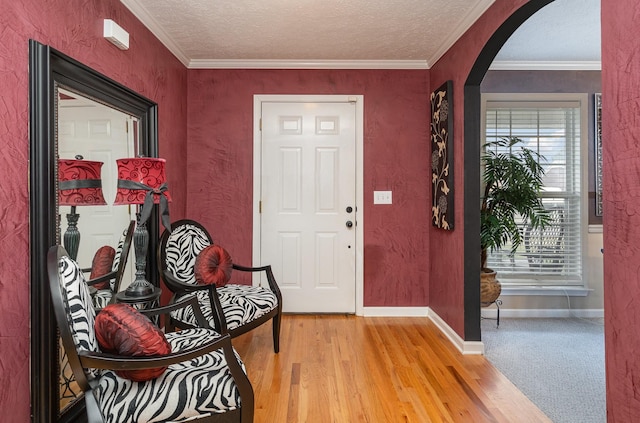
{"type": "Point", "coordinates": [381, 197]}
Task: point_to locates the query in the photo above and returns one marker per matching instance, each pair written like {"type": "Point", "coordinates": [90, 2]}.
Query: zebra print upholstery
{"type": "Point", "coordinates": [118, 257]}
{"type": "Point", "coordinates": [76, 296]}
{"type": "Point", "coordinates": [240, 304]}
{"type": "Point", "coordinates": [198, 387]}
{"type": "Point", "coordinates": [244, 307]}
{"type": "Point", "coordinates": [102, 298]}
{"type": "Point", "coordinates": [207, 384]}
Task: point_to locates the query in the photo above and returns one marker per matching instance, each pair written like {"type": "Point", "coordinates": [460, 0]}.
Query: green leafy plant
{"type": "Point", "coordinates": [512, 179]}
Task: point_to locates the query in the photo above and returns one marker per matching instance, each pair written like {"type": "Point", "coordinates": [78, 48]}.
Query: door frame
{"type": "Point", "coordinates": [258, 99]}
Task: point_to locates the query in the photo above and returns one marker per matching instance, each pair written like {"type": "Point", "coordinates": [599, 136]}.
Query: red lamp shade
{"type": "Point", "coordinates": [149, 175]}
{"type": "Point", "coordinates": [79, 183]}
{"type": "Point", "coordinates": [142, 180]}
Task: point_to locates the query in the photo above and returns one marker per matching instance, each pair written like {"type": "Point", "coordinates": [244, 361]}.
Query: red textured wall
{"type": "Point", "coordinates": [391, 137]}
{"type": "Point", "coordinates": [75, 28]}
{"type": "Point", "coordinates": [621, 190]}
{"type": "Point", "coordinates": [396, 157]}
{"type": "Point", "coordinates": [446, 290]}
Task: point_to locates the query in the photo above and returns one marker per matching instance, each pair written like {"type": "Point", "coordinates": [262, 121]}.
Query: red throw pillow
{"type": "Point", "coordinates": [123, 330]}
{"type": "Point", "coordinates": [213, 266]}
{"type": "Point", "coordinates": [102, 264]}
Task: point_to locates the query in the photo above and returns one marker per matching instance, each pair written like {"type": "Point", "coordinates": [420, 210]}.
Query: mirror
{"type": "Point", "coordinates": [54, 79]}
{"type": "Point", "coordinates": [95, 132]}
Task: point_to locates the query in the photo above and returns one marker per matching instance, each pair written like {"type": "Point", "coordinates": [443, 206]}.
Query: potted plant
{"type": "Point", "coordinates": [512, 179]}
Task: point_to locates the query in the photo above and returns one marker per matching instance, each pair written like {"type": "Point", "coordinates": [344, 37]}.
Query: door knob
{"type": "Point", "coordinates": [349, 209]}
{"type": "Point", "coordinates": [349, 223]}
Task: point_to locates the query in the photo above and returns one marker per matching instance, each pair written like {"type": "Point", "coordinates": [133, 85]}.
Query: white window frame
{"type": "Point", "coordinates": [536, 287]}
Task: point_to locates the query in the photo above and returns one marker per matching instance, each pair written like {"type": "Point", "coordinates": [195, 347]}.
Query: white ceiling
{"type": "Point", "coordinates": [407, 34]}
{"type": "Point", "coordinates": [563, 35]}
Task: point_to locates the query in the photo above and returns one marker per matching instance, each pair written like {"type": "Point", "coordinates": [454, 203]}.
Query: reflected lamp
{"type": "Point", "coordinates": [79, 184]}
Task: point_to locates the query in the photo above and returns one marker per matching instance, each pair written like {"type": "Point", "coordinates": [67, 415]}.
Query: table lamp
{"type": "Point", "coordinates": [142, 181]}
{"type": "Point", "coordinates": [79, 184]}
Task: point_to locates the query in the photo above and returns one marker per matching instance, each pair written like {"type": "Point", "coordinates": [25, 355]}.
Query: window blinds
{"type": "Point", "coordinates": [552, 256]}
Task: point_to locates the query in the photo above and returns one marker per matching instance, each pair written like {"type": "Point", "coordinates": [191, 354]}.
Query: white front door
{"type": "Point", "coordinates": [308, 218]}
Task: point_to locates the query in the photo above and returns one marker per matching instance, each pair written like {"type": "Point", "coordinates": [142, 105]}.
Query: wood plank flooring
{"type": "Point", "coordinates": [349, 369]}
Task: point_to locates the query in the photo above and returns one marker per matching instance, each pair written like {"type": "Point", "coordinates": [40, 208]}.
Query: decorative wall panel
{"type": "Point", "coordinates": [442, 157]}
{"type": "Point", "coordinates": [598, 151]}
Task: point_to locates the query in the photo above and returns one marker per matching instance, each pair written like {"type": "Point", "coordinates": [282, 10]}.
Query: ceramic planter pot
{"type": "Point", "coordinates": [490, 287]}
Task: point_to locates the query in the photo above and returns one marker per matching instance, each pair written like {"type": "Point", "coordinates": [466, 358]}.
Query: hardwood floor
{"type": "Point", "coordinates": [349, 369]}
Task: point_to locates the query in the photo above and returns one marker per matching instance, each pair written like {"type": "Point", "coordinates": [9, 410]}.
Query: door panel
{"type": "Point", "coordinates": [307, 185]}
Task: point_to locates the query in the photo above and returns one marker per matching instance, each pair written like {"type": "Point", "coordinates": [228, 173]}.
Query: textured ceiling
{"type": "Point", "coordinates": [563, 32]}
{"type": "Point", "coordinates": [345, 33]}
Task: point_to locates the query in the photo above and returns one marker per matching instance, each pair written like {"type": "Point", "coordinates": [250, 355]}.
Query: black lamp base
{"type": "Point", "coordinates": [72, 234]}
{"type": "Point", "coordinates": [139, 288]}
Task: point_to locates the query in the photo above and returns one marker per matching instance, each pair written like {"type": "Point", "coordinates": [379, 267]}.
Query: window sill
{"type": "Point", "coordinates": [595, 229]}
{"type": "Point", "coordinates": [563, 291]}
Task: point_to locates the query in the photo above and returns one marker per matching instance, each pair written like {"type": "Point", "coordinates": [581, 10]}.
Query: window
{"type": "Point", "coordinates": [554, 126]}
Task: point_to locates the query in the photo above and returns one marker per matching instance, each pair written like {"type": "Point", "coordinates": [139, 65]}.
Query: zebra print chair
{"type": "Point", "coordinates": [102, 297]}
{"type": "Point", "coordinates": [204, 378]}
{"type": "Point", "coordinates": [244, 307]}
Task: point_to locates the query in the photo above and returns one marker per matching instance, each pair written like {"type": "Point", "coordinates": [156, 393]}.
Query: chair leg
{"type": "Point", "coordinates": [276, 332]}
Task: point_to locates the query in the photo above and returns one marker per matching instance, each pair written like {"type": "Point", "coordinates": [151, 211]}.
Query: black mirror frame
{"type": "Point", "coordinates": [47, 69]}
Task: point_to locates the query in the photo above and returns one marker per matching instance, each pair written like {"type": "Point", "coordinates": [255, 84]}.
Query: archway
{"type": "Point", "coordinates": [472, 163]}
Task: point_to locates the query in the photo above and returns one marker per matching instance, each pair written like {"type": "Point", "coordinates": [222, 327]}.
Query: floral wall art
{"type": "Point", "coordinates": [598, 150]}
{"type": "Point", "coordinates": [442, 156]}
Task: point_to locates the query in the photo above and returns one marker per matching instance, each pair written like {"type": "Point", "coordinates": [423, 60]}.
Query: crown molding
{"type": "Point", "coordinates": [156, 29]}
{"type": "Point", "coordinates": [545, 65]}
{"type": "Point", "coordinates": [152, 25]}
{"type": "Point", "coordinates": [307, 64]}
{"type": "Point", "coordinates": [471, 17]}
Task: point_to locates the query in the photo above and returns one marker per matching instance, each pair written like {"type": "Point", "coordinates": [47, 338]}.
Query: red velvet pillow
{"type": "Point", "coordinates": [102, 264]}
{"type": "Point", "coordinates": [121, 329]}
{"type": "Point", "coordinates": [213, 265]}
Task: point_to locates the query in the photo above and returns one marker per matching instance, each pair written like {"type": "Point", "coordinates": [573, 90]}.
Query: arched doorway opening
{"type": "Point", "coordinates": [472, 137]}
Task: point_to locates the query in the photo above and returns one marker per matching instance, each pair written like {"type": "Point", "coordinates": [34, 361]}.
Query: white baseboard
{"type": "Point", "coordinates": [465, 347]}
{"type": "Point", "coordinates": [543, 313]}
{"type": "Point", "coordinates": [395, 311]}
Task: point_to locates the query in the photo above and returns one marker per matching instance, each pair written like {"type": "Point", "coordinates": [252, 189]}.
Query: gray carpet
{"type": "Point", "coordinates": [557, 363]}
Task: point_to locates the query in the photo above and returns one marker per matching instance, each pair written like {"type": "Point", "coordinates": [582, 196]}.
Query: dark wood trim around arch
{"type": "Point", "coordinates": [472, 137]}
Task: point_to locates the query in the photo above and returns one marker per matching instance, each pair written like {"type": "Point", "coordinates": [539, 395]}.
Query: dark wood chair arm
{"type": "Point", "coordinates": [105, 277]}
{"type": "Point", "coordinates": [249, 268]}
{"type": "Point", "coordinates": [271, 280]}
{"type": "Point", "coordinates": [189, 301]}
{"type": "Point", "coordinates": [118, 362]}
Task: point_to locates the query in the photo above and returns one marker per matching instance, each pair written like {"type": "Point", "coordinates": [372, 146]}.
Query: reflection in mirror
{"type": "Point", "coordinates": [103, 134]}
{"type": "Point", "coordinates": [93, 133]}
{"type": "Point", "coordinates": [65, 89]}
